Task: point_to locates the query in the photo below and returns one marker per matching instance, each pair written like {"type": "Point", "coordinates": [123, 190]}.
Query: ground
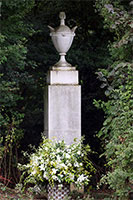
{"type": "Point", "coordinates": [12, 194]}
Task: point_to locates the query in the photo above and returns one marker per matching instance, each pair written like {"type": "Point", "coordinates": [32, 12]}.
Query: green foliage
{"type": "Point", "coordinates": [12, 75]}
{"type": "Point", "coordinates": [117, 129]}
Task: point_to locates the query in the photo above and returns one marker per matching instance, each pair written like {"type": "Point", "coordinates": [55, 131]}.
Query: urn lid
{"type": "Point", "coordinates": [62, 27]}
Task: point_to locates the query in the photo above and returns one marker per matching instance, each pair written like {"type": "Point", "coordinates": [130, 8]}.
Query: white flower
{"type": "Point", "coordinates": [46, 148]}
{"type": "Point", "coordinates": [64, 172]}
{"type": "Point", "coordinates": [69, 165]}
{"type": "Point", "coordinates": [54, 171]}
{"type": "Point", "coordinates": [52, 162]}
{"type": "Point", "coordinates": [61, 165]}
{"type": "Point", "coordinates": [78, 152]}
{"type": "Point", "coordinates": [81, 178]}
{"type": "Point", "coordinates": [76, 164]}
{"type": "Point", "coordinates": [58, 158]}
{"type": "Point", "coordinates": [45, 175]}
{"type": "Point", "coordinates": [55, 177]}
{"type": "Point", "coordinates": [34, 172]}
{"type": "Point", "coordinates": [58, 151]}
{"type": "Point", "coordinates": [67, 155]}
{"type": "Point", "coordinates": [47, 160]}
{"type": "Point", "coordinates": [61, 175]}
{"type": "Point", "coordinates": [71, 176]}
{"type": "Point", "coordinates": [35, 160]}
{"type": "Point", "coordinates": [40, 157]}
{"type": "Point", "coordinates": [69, 151]}
{"type": "Point", "coordinates": [42, 168]}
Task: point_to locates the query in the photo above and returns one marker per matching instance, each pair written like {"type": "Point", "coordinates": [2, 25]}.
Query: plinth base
{"type": "Point", "coordinates": [63, 112]}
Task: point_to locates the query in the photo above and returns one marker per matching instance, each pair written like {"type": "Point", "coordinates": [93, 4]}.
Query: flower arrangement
{"type": "Point", "coordinates": [57, 162]}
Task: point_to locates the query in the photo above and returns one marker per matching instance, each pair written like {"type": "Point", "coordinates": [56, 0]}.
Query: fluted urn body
{"type": "Point", "coordinates": [62, 38]}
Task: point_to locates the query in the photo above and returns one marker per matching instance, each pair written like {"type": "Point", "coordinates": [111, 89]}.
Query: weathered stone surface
{"type": "Point", "coordinates": [62, 77]}
{"type": "Point", "coordinates": [62, 112]}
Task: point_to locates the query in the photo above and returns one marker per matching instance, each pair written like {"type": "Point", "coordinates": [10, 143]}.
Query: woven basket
{"type": "Point", "coordinates": [58, 192]}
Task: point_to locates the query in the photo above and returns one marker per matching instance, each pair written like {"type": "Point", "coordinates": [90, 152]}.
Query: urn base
{"type": "Point", "coordinates": [62, 64]}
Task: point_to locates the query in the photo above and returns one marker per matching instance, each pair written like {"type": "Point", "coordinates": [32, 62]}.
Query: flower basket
{"type": "Point", "coordinates": [58, 191]}
{"type": "Point", "coordinates": [56, 162]}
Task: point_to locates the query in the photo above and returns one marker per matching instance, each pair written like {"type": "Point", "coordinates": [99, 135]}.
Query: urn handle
{"type": "Point", "coordinates": [74, 28]}
{"type": "Point", "coordinates": [51, 29]}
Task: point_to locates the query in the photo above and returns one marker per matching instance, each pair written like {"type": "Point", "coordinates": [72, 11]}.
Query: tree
{"type": "Point", "coordinates": [12, 78]}
{"type": "Point", "coordinates": [117, 132]}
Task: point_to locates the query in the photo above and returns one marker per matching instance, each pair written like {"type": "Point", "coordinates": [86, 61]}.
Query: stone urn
{"type": "Point", "coordinates": [62, 38]}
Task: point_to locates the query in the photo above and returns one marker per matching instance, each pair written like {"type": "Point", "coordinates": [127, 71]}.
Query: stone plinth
{"type": "Point", "coordinates": [62, 106]}
{"type": "Point", "coordinates": [62, 77]}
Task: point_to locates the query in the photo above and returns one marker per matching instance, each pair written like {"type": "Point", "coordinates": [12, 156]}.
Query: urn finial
{"type": "Point", "coordinates": [62, 17]}
{"type": "Point", "coordinates": [62, 38]}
